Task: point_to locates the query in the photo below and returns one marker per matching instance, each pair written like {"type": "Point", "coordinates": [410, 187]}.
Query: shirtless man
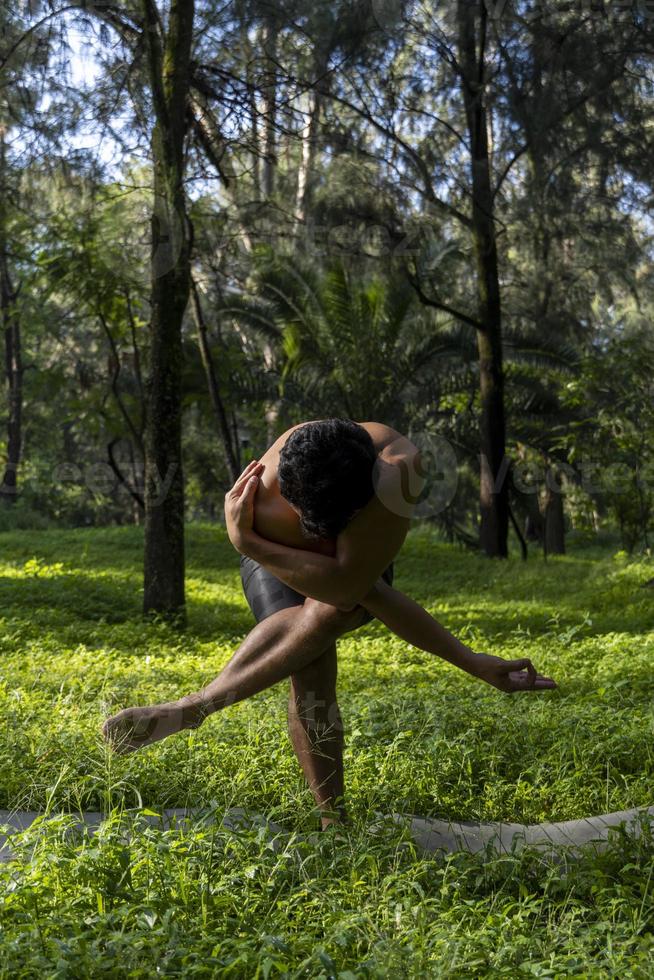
{"type": "Point", "coordinates": [318, 521]}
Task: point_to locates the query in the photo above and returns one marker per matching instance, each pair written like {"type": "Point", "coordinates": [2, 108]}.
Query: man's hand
{"type": "Point", "coordinates": [239, 505]}
{"type": "Point", "coordinates": [509, 675]}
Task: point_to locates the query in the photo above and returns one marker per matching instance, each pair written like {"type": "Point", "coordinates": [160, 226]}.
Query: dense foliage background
{"type": "Point", "coordinates": [435, 217]}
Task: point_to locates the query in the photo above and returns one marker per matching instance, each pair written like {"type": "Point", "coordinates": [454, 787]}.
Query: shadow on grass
{"type": "Point", "coordinates": [71, 597]}
{"type": "Point", "coordinates": [76, 595]}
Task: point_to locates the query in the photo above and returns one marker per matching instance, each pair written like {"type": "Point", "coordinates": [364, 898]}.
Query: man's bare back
{"type": "Point", "coordinates": [276, 520]}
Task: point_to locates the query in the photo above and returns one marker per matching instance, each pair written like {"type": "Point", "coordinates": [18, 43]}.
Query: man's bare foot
{"type": "Point", "coordinates": [134, 728]}
{"type": "Point", "coordinates": [334, 818]}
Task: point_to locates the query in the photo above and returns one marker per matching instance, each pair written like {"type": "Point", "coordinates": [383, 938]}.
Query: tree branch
{"type": "Point", "coordinates": [154, 48]}
{"type": "Point", "coordinates": [206, 138]}
{"type": "Point", "coordinates": [437, 304]}
{"type": "Point", "coordinates": [122, 479]}
{"type": "Point", "coordinates": [114, 383]}
{"type": "Point", "coordinates": [419, 163]}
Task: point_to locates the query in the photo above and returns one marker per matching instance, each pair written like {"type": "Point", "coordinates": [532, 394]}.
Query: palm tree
{"type": "Point", "coordinates": [345, 346]}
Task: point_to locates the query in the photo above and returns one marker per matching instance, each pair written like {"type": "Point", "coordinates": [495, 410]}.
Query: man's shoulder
{"type": "Point", "coordinates": [390, 444]}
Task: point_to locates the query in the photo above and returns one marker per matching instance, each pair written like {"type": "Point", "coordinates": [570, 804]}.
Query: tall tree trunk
{"type": "Point", "coordinates": [231, 449]}
{"type": "Point", "coordinates": [309, 142]}
{"type": "Point", "coordinates": [307, 157]}
{"type": "Point", "coordinates": [255, 145]}
{"type": "Point", "coordinates": [168, 58]}
{"type": "Point", "coordinates": [270, 107]}
{"type": "Point", "coordinates": [13, 351]}
{"type": "Point", "coordinates": [494, 499]}
{"type": "Point", "coordinates": [553, 517]}
{"type": "Point", "coordinates": [534, 524]}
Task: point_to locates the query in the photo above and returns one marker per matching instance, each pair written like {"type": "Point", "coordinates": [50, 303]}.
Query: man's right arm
{"type": "Point", "coordinates": [416, 626]}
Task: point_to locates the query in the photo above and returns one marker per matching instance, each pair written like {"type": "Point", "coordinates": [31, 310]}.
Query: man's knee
{"type": "Point", "coordinates": [330, 618]}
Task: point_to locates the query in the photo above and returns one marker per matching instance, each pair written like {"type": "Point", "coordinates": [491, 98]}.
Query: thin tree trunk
{"type": "Point", "coordinates": [13, 349]}
{"type": "Point", "coordinates": [524, 551]}
{"type": "Point", "coordinates": [168, 59]}
{"type": "Point", "coordinates": [254, 118]}
{"type": "Point", "coordinates": [553, 517]}
{"type": "Point", "coordinates": [307, 157]}
{"type": "Point", "coordinates": [534, 525]}
{"type": "Point", "coordinates": [116, 367]}
{"type": "Point", "coordinates": [137, 499]}
{"type": "Point", "coordinates": [136, 360]}
{"type": "Point", "coordinates": [309, 140]}
{"type": "Point", "coordinates": [136, 481]}
{"type": "Point", "coordinates": [493, 483]}
{"type": "Point", "coordinates": [14, 375]}
{"type": "Point", "coordinates": [231, 451]}
{"type": "Point", "coordinates": [271, 408]}
{"type": "Point", "coordinates": [235, 436]}
{"type": "Point", "coordinates": [270, 108]}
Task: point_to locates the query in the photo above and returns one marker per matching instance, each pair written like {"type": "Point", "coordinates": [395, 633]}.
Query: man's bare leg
{"type": "Point", "coordinates": [279, 646]}
{"type": "Point", "coordinates": [316, 729]}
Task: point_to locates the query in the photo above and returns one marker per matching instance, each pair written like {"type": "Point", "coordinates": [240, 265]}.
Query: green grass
{"type": "Point", "coordinates": [421, 738]}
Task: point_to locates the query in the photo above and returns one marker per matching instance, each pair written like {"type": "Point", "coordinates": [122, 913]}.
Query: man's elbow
{"type": "Point", "coordinates": [351, 598]}
{"type": "Point", "coordinates": [351, 586]}
{"type": "Point", "coordinates": [345, 600]}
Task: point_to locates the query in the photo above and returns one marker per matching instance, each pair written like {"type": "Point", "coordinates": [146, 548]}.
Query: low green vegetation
{"type": "Point", "coordinates": [423, 738]}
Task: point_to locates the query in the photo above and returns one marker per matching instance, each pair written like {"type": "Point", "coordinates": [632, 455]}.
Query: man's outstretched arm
{"type": "Point", "coordinates": [408, 620]}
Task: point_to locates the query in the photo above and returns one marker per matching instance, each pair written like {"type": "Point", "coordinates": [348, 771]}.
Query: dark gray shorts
{"type": "Point", "coordinates": [267, 595]}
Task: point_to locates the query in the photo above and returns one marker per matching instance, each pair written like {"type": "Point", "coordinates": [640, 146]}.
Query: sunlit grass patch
{"type": "Point", "coordinates": [422, 738]}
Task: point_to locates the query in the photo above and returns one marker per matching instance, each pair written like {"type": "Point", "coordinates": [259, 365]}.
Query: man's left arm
{"type": "Point", "coordinates": [363, 550]}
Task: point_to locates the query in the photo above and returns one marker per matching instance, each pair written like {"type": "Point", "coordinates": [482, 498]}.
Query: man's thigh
{"type": "Point", "coordinates": [264, 592]}
{"type": "Point", "coordinates": [266, 595]}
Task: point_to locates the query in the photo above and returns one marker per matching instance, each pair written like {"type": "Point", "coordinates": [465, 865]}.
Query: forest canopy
{"type": "Point", "coordinates": [219, 220]}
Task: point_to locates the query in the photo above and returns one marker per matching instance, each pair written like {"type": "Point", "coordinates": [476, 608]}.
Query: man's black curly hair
{"type": "Point", "coordinates": [325, 470]}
